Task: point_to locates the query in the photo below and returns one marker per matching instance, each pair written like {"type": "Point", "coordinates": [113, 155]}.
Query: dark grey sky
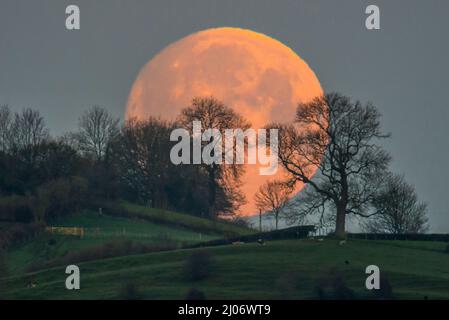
{"type": "Point", "coordinates": [403, 68]}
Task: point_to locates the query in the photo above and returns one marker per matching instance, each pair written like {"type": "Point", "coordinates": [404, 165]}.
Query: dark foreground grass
{"type": "Point", "coordinates": [279, 270]}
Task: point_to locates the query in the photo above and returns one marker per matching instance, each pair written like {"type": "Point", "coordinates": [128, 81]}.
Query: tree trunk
{"type": "Point", "coordinates": [341, 208]}
{"type": "Point", "coordinates": [341, 221]}
{"type": "Point", "coordinates": [212, 193]}
{"type": "Point", "coordinates": [277, 219]}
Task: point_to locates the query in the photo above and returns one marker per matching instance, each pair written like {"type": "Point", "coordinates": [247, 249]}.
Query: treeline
{"type": "Point", "coordinates": [332, 145]}
{"type": "Point", "coordinates": [43, 177]}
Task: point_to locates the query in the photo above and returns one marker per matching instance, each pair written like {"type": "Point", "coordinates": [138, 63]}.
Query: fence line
{"type": "Point", "coordinates": [68, 231]}
{"type": "Point", "coordinates": [83, 233]}
{"type": "Point", "coordinates": [411, 237]}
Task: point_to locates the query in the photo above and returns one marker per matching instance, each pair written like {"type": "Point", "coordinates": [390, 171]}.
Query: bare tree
{"type": "Point", "coordinates": [28, 129]}
{"type": "Point", "coordinates": [97, 129]}
{"type": "Point", "coordinates": [273, 196]}
{"type": "Point", "coordinates": [398, 208]}
{"type": "Point", "coordinates": [6, 119]}
{"type": "Point", "coordinates": [28, 133]}
{"type": "Point", "coordinates": [213, 114]}
{"type": "Point", "coordinates": [337, 137]}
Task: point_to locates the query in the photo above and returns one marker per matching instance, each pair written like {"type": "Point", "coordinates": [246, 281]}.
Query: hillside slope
{"type": "Point", "coordinates": [290, 269]}
{"type": "Point", "coordinates": [152, 229]}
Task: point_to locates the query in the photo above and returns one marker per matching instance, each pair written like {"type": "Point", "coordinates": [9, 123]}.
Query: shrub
{"type": "Point", "coordinates": [197, 265]}
{"type": "Point", "coordinates": [3, 266]}
{"type": "Point", "coordinates": [18, 233]}
{"type": "Point", "coordinates": [3, 272]}
{"type": "Point", "coordinates": [195, 294]}
{"type": "Point", "coordinates": [341, 291]}
{"type": "Point", "coordinates": [240, 222]}
{"type": "Point", "coordinates": [16, 208]}
{"type": "Point", "coordinates": [130, 291]}
{"type": "Point", "coordinates": [59, 197]}
{"type": "Point", "coordinates": [385, 291]}
{"type": "Point", "coordinates": [447, 249]}
{"type": "Point", "coordinates": [287, 285]}
{"type": "Point", "coordinates": [333, 287]}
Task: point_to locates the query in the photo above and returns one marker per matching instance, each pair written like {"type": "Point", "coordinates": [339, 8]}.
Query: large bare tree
{"type": "Point", "coordinates": [337, 137]}
{"type": "Point", "coordinates": [213, 114]}
{"type": "Point", "coordinates": [399, 209]}
{"type": "Point", "coordinates": [27, 133]}
{"type": "Point", "coordinates": [97, 128]}
{"type": "Point", "coordinates": [273, 197]}
{"type": "Point", "coordinates": [28, 129]}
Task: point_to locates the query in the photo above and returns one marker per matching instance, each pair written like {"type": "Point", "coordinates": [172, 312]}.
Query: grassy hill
{"type": "Point", "coordinates": [183, 220]}
{"type": "Point", "coordinates": [292, 269]}
{"type": "Point", "coordinates": [148, 229]}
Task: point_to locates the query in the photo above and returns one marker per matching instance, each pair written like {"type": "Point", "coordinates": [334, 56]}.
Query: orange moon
{"type": "Point", "coordinates": [258, 76]}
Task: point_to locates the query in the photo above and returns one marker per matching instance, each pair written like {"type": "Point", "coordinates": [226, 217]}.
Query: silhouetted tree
{"type": "Point", "coordinates": [97, 129]}
{"type": "Point", "coordinates": [56, 159]}
{"type": "Point", "coordinates": [337, 137]}
{"type": "Point", "coordinates": [142, 154]}
{"type": "Point", "coordinates": [60, 197]}
{"type": "Point", "coordinates": [6, 119]}
{"type": "Point", "coordinates": [273, 196]}
{"type": "Point", "coordinates": [399, 210]}
{"type": "Point", "coordinates": [223, 179]}
{"type": "Point", "coordinates": [28, 132]}
{"type": "Point", "coordinates": [22, 136]}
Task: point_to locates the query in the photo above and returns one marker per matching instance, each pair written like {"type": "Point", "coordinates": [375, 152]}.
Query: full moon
{"type": "Point", "coordinates": [259, 77]}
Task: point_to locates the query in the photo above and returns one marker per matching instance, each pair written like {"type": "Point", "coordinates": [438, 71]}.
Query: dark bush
{"type": "Point", "coordinates": [130, 291]}
{"type": "Point", "coordinates": [333, 287]}
{"type": "Point", "coordinates": [18, 233]}
{"type": "Point", "coordinates": [341, 291]}
{"type": "Point", "coordinates": [3, 273]}
{"type": "Point", "coordinates": [198, 265]}
{"type": "Point", "coordinates": [447, 249]}
{"type": "Point", "coordinates": [16, 208]}
{"type": "Point", "coordinates": [240, 222]}
{"type": "Point", "coordinates": [385, 291]}
{"type": "Point", "coordinates": [59, 198]}
{"type": "Point", "coordinates": [287, 284]}
{"type": "Point", "coordinates": [195, 294]}
{"type": "Point", "coordinates": [3, 266]}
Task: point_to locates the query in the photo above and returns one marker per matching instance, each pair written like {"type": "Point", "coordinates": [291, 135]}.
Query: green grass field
{"type": "Point", "coordinates": [139, 224]}
{"type": "Point", "coordinates": [279, 270]}
{"type": "Point", "coordinates": [288, 269]}
{"type": "Point", "coordinates": [110, 229]}
{"type": "Point", "coordinates": [184, 220]}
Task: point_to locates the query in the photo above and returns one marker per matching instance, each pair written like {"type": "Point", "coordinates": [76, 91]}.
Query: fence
{"type": "Point", "coordinates": [410, 237]}
{"type": "Point", "coordinates": [299, 232]}
{"type": "Point", "coordinates": [88, 233]}
{"type": "Point", "coordinates": [67, 231]}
